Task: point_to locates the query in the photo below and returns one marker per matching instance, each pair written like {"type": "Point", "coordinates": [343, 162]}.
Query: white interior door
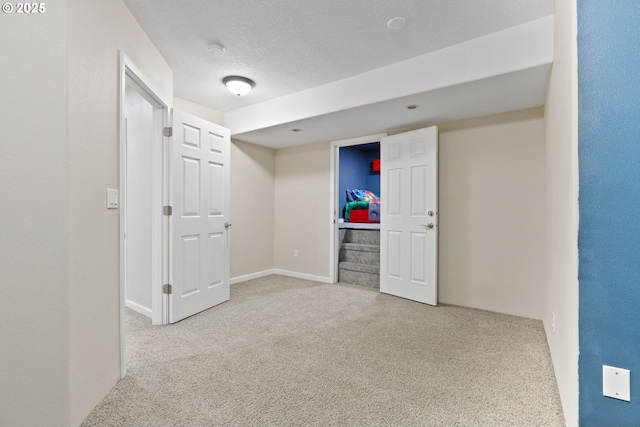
{"type": "Point", "coordinates": [408, 218]}
{"type": "Point", "coordinates": [199, 248]}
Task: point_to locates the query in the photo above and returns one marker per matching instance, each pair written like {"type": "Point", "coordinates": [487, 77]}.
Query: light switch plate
{"type": "Point", "coordinates": [112, 198]}
{"type": "Point", "coordinates": [616, 383]}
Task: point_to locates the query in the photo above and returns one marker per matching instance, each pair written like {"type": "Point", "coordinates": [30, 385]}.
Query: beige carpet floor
{"type": "Point", "coordinates": [290, 352]}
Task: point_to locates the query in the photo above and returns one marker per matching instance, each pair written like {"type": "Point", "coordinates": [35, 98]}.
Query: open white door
{"type": "Point", "coordinates": [408, 218]}
{"type": "Point", "coordinates": [199, 247]}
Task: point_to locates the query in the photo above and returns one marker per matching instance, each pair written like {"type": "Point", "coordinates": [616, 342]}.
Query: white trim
{"type": "Point", "coordinates": [145, 311]}
{"type": "Point", "coordinates": [166, 220]}
{"type": "Point", "coordinates": [259, 274]}
{"type": "Point", "coordinates": [153, 93]}
{"type": "Point", "coordinates": [304, 276]}
{"type": "Point", "coordinates": [333, 214]}
{"type": "Point", "coordinates": [251, 276]}
{"type": "Point", "coordinates": [359, 140]}
{"type": "Point", "coordinates": [360, 225]}
{"type": "Point", "coordinates": [123, 178]}
{"type": "Point", "coordinates": [127, 70]}
{"type": "Point", "coordinates": [334, 182]}
{"type": "Point", "coordinates": [157, 237]}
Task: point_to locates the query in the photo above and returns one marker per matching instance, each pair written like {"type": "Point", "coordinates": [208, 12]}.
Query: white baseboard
{"type": "Point", "coordinates": [305, 276]}
{"type": "Point", "coordinates": [138, 308]}
{"type": "Point", "coordinates": [251, 276]}
{"type": "Point", "coordinates": [264, 273]}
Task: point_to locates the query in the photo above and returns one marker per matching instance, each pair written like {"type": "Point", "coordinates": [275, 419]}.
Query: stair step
{"type": "Point", "coordinates": [360, 268]}
{"type": "Point", "coordinates": [368, 237]}
{"type": "Point", "coordinates": [361, 247]}
{"type": "Point", "coordinates": [359, 256]}
{"type": "Point", "coordinates": [360, 278]}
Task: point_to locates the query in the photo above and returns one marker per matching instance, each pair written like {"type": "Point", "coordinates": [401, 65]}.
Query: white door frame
{"type": "Point", "coordinates": [334, 195]}
{"type": "Point", "coordinates": [159, 224]}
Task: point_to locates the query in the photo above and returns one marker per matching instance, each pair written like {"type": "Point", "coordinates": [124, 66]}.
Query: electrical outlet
{"type": "Point", "coordinates": [616, 383]}
{"type": "Point", "coordinates": [295, 252]}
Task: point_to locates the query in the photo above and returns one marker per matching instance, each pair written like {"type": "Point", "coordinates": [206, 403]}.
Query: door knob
{"type": "Point", "coordinates": [427, 226]}
{"type": "Point", "coordinates": [227, 224]}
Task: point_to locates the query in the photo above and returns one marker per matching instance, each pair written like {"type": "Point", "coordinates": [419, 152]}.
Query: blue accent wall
{"type": "Point", "coordinates": [355, 171]}
{"type": "Point", "coordinates": [373, 178]}
{"type": "Point", "coordinates": [609, 234]}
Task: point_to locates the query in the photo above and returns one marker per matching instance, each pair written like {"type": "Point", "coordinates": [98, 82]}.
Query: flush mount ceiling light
{"type": "Point", "coordinates": [238, 85]}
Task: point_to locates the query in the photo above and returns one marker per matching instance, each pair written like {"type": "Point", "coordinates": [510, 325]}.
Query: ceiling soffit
{"type": "Point", "coordinates": [499, 60]}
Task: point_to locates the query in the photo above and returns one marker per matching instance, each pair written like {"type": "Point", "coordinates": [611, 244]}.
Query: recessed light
{"type": "Point", "coordinates": [216, 49]}
{"type": "Point", "coordinates": [397, 23]}
{"type": "Point", "coordinates": [412, 106]}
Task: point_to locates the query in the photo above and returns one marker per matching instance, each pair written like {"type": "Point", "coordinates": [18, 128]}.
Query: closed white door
{"type": "Point", "coordinates": [199, 247]}
{"type": "Point", "coordinates": [408, 220]}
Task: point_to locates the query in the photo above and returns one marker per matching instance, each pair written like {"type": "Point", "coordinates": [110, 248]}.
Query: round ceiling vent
{"type": "Point", "coordinates": [397, 23]}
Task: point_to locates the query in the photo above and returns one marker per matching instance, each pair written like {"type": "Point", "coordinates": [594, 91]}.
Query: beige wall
{"type": "Point", "coordinates": [561, 281]}
{"type": "Point", "coordinates": [198, 110]}
{"type": "Point", "coordinates": [302, 213]}
{"type": "Point", "coordinates": [61, 351]}
{"type": "Point", "coordinates": [252, 208]}
{"type": "Point", "coordinates": [34, 333]}
{"type": "Point", "coordinates": [97, 31]}
{"type": "Point", "coordinates": [491, 213]}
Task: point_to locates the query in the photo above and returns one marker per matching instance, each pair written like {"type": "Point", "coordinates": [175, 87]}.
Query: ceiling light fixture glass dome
{"type": "Point", "coordinates": [238, 85]}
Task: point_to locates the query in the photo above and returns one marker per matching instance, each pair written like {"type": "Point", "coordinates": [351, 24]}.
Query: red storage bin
{"type": "Point", "coordinates": [375, 165]}
{"type": "Point", "coordinates": [359, 215]}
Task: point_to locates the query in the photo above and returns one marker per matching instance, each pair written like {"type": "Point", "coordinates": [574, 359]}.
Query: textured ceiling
{"type": "Point", "coordinates": [287, 46]}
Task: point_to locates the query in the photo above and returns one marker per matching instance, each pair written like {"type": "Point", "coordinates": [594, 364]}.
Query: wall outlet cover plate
{"type": "Point", "coordinates": [616, 383]}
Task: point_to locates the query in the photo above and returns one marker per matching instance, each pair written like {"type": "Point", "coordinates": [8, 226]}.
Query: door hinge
{"type": "Point", "coordinates": [167, 210]}
{"type": "Point", "coordinates": [168, 131]}
{"type": "Point", "coordinates": [167, 289]}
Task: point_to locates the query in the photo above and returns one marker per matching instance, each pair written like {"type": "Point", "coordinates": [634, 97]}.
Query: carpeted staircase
{"type": "Point", "coordinates": [360, 258]}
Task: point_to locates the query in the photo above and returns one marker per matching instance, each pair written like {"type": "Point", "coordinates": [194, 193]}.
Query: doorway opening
{"type": "Point", "coordinates": [408, 233]}
{"type": "Point", "coordinates": [138, 208]}
{"type": "Point", "coordinates": [143, 114]}
{"type": "Point", "coordinates": [355, 239]}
